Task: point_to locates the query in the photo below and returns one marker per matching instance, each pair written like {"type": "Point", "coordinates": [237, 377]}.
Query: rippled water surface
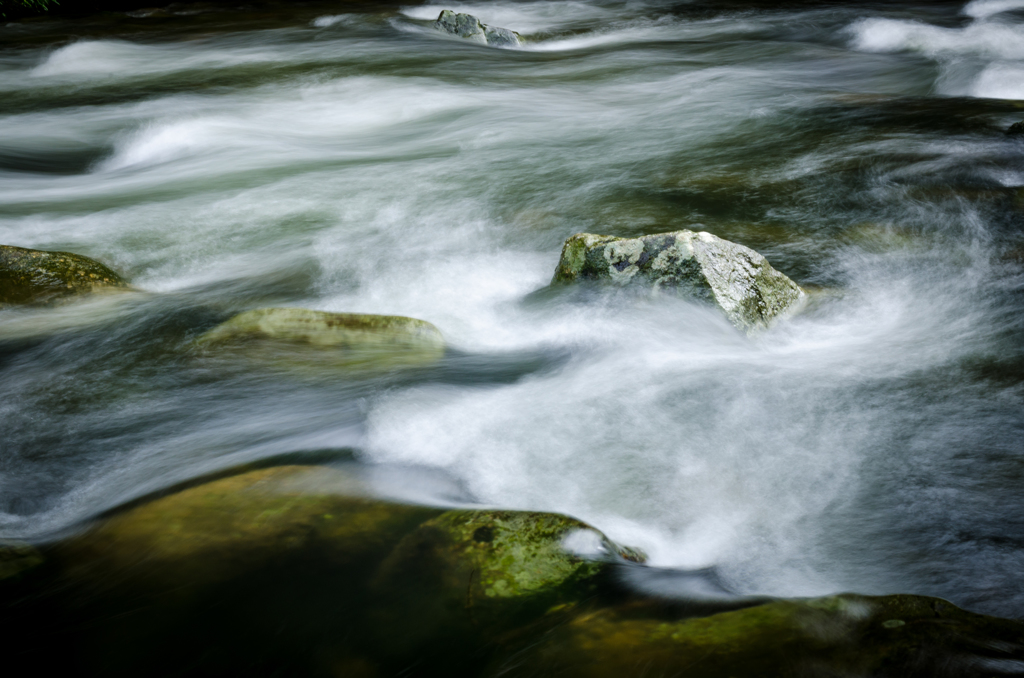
{"type": "Point", "coordinates": [362, 162]}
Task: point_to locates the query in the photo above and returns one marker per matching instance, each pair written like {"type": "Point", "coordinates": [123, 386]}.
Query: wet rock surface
{"type": "Point", "coordinates": [352, 340]}
{"type": "Point", "coordinates": [469, 27]}
{"type": "Point", "coordinates": [482, 574]}
{"type": "Point", "coordinates": [846, 635]}
{"type": "Point", "coordinates": [695, 265]}
{"type": "Point", "coordinates": [297, 570]}
{"type": "Point", "coordinates": [28, 276]}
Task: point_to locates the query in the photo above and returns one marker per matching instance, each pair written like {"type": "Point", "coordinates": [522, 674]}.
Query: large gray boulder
{"type": "Point", "coordinates": [697, 265]}
{"type": "Point", "coordinates": [469, 27]}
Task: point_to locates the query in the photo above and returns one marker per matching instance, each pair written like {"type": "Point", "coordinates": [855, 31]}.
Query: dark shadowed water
{"type": "Point", "coordinates": [362, 162]}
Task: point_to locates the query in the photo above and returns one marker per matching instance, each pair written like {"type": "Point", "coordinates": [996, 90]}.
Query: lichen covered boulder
{"type": "Point", "coordinates": [35, 275]}
{"type": "Point", "coordinates": [695, 265]}
{"type": "Point", "coordinates": [469, 27]}
{"type": "Point", "coordinates": [847, 635]}
{"type": "Point", "coordinates": [352, 340]}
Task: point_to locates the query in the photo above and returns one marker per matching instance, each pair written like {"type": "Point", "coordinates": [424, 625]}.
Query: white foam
{"type": "Point", "coordinates": [1000, 81]}
{"type": "Point", "coordinates": [982, 9]}
{"type": "Point", "coordinates": [983, 59]}
{"type": "Point", "coordinates": [994, 40]}
{"type": "Point", "coordinates": [333, 20]}
{"type": "Point", "coordinates": [121, 60]}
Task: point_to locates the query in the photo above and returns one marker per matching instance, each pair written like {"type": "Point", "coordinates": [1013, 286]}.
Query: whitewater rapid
{"type": "Point", "coordinates": [365, 163]}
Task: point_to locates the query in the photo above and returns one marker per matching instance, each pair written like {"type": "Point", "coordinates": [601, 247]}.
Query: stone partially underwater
{"type": "Point", "coordinates": [298, 337]}
{"type": "Point", "coordinates": [695, 265]}
{"type": "Point", "coordinates": [298, 570]}
{"type": "Point", "coordinates": [29, 276]}
{"type": "Point", "coordinates": [469, 27]}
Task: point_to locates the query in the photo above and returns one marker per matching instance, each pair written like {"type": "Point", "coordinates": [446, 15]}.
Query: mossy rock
{"type": "Point", "coordinates": [846, 635]}
{"type": "Point", "coordinates": [466, 577]}
{"type": "Point", "coordinates": [696, 265]}
{"type": "Point", "coordinates": [298, 336]}
{"type": "Point", "coordinates": [261, 573]}
{"type": "Point", "coordinates": [28, 276]}
{"type": "Point", "coordinates": [215, 530]}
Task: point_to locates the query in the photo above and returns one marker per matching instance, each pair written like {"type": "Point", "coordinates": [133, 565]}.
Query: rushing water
{"type": "Point", "coordinates": [362, 162]}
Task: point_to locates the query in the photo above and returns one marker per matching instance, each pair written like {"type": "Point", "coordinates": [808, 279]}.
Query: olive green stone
{"type": "Point", "coordinates": [262, 573]}
{"type": "Point", "coordinates": [465, 577]}
{"type": "Point", "coordinates": [300, 336]}
{"type": "Point", "coordinates": [34, 275]}
{"type": "Point", "coordinates": [847, 635]}
{"type": "Point", "coordinates": [695, 265]}
{"type": "Point", "coordinates": [218, 529]}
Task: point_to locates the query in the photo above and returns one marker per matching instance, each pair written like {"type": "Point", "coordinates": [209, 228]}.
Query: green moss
{"type": "Point", "coordinates": [35, 276]}
{"type": "Point", "coordinates": [25, 7]}
{"type": "Point", "coordinates": [463, 579]}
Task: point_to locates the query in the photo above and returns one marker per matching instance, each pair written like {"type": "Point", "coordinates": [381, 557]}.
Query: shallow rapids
{"type": "Point", "coordinates": [362, 162]}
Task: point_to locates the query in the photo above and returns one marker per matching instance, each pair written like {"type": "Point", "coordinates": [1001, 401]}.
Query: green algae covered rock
{"type": "Point", "coordinates": [352, 340]}
{"type": "Point", "coordinates": [466, 577]}
{"type": "Point", "coordinates": [847, 635]}
{"type": "Point", "coordinates": [696, 265]}
{"type": "Point", "coordinates": [34, 275]}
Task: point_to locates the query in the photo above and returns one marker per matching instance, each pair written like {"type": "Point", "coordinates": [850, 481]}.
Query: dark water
{"type": "Point", "coordinates": [360, 162]}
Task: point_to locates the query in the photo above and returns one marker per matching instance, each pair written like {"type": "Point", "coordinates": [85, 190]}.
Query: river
{"type": "Point", "coordinates": [363, 162]}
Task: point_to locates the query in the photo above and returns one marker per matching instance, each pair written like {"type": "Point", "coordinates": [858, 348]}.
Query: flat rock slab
{"type": "Point", "coordinates": [344, 339]}
{"type": "Point", "coordinates": [695, 265]}
{"type": "Point", "coordinates": [28, 276]}
{"type": "Point", "coordinates": [469, 27]}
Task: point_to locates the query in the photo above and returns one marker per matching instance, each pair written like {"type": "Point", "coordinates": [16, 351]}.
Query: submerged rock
{"type": "Point", "coordinates": [469, 27]}
{"type": "Point", "coordinates": [1016, 129]}
{"type": "Point", "coordinates": [847, 635]}
{"type": "Point", "coordinates": [36, 275]}
{"type": "Point", "coordinates": [697, 265]}
{"type": "Point", "coordinates": [341, 339]}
